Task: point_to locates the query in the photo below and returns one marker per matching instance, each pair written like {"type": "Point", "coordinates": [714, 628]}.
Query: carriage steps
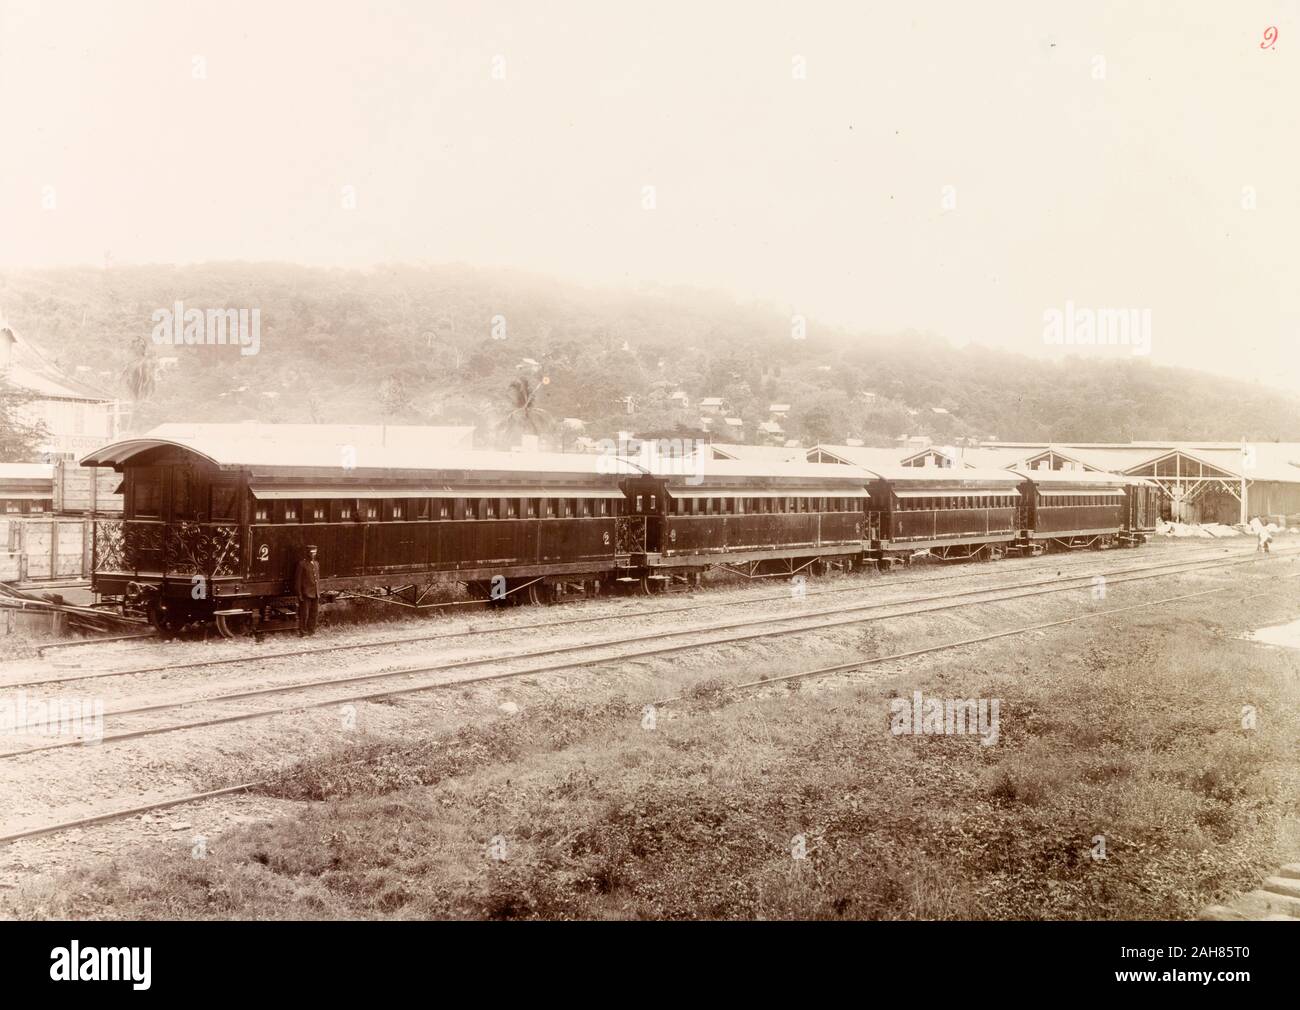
{"type": "Point", "coordinates": [1276, 900]}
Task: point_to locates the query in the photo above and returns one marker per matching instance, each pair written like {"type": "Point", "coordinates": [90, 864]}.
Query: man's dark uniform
{"type": "Point", "coordinates": [308, 588]}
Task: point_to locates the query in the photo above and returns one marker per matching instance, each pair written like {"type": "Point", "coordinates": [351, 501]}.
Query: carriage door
{"type": "Point", "coordinates": [649, 503]}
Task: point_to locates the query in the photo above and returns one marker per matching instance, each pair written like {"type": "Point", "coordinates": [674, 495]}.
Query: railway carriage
{"type": "Point", "coordinates": [215, 524]}
{"type": "Point", "coordinates": [1074, 509]}
{"type": "Point", "coordinates": [949, 513]}
{"type": "Point", "coordinates": [752, 520]}
{"type": "Point", "coordinates": [213, 529]}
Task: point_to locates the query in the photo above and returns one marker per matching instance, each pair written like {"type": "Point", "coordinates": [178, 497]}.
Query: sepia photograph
{"type": "Point", "coordinates": [743, 464]}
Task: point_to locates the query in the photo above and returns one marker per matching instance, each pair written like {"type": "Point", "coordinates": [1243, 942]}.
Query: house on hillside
{"type": "Point", "coordinates": [680, 399]}
{"type": "Point", "coordinates": [77, 416]}
{"type": "Point", "coordinates": [712, 404]}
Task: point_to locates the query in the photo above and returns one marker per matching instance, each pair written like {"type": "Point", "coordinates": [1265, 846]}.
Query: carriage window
{"type": "Point", "coordinates": [36, 506]}
{"type": "Point", "coordinates": [740, 506]}
{"type": "Point", "coordinates": [261, 513]}
{"type": "Point", "coordinates": [315, 511]}
{"type": "Point", "coordinates": [370, 510]}
{"type": "Point", "coordinates": [489, 508]}
{"type": "Point", "coordinates": [395, 509]}
{"type": "Point", "coordinates": [13, 507]}
{"type": "Point", "coordinates": [602, 507]}
{"type": "Point", "coordinates": [223, 496]}
{"type": "Point", "coordinates": [148, 492]}
{"type": "Point", "coordinates": [548, 507]}
{"type": "Point", "coordinates": [640, 504]}
{"type": "Point", "coordinates": [419, 508]}
{"type": "Point", "coordinates": [183, 493]}
{"type": "Point", "coordinates": [444, 508]}
{"type": "Point", "coordinates": [530, 508]}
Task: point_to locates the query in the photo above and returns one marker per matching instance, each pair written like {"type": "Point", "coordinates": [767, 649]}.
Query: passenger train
{"type": "Point", "coordinates": [214, 527]}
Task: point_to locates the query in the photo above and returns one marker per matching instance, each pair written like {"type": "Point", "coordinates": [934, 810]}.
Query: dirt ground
{"type": "Point", "coordinates": [558, 795]}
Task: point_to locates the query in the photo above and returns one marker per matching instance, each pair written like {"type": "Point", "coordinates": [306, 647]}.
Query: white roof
{"type": "Point", "coordinates": [1077, 477]}
{"type": "Point", "coordinates": [322, 446]}
{"type": "Point", "coordinates": [767, 453]}
{"type": "Point", "coordinates": [1265, 461]}
{"type": "Point", "coordinates": [712, 470]}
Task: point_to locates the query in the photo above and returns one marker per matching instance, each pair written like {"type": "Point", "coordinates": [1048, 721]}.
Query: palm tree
{"type": "Point", "coordinates": [524, 416]}
{"type": "Point", "coordinates": [139, 375]}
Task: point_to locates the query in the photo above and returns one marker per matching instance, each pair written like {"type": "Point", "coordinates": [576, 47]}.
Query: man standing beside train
{"type": "Point", "coordinates": [307, 583]}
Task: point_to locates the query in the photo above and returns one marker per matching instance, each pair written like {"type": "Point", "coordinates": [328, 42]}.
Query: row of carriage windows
{"type": "Point", "coordinates": [427, 509]}
{"type": "Point", "coordinates": [1077, 499]}
{"type": "Point", "coordinates": [742, 506]}
{"type": "Point", "coordinates": [946, 502]}
{"type": "Point", "coordinates": [960, 501]}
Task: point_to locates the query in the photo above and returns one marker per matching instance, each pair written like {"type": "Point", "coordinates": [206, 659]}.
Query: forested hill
{"type": "Point", "coordinates": [442, 345]}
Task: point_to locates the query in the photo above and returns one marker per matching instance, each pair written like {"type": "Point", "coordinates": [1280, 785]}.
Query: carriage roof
{"type": "Point", "coordinates": [290, 459]}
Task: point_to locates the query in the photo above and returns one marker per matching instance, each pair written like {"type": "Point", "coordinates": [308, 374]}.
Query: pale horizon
{"type": "Point", "coordinates": [951, 172]}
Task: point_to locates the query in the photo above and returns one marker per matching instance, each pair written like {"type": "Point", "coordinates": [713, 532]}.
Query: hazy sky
{"type": "Point", "coordinates": [1098, 153]}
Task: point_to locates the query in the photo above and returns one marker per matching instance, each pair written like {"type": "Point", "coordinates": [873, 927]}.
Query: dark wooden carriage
{"type": "Point", "coordinates": [1077, 508]}
{"type": "Point", "coordinates": [215, 530]}
{"type": "Point", "coordinates": [755, 521]}
{"type": "Point", "coordinates": [949, 513]}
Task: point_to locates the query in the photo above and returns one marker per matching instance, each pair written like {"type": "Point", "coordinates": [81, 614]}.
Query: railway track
{"type": "Point", "coordinates": [968, 570]}
{"type": "Point", "coordinates": [102, 817]}
{"type": "Point", "coordinates": [601, 618]}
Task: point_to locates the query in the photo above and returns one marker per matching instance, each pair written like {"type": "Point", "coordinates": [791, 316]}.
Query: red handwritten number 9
{"type": "Point", "coordinates": [1270, 36]}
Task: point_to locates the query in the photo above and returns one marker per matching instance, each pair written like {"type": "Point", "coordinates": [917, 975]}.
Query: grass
{"type": "Point", "coordinates": [1131, 734]}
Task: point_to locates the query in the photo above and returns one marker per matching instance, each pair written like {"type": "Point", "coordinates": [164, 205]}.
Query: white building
{"type": "Point", "coordinates": [77, 417]}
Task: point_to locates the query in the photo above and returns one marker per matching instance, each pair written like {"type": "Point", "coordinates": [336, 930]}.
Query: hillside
{"type": "Point", "coordinates": [408, 344]}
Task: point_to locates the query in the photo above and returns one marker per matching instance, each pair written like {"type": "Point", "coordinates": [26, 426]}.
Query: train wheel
{"type": "Point", "coordinates": [540, 593]}
{"type": "Point", "coordinates": [162, 622]}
